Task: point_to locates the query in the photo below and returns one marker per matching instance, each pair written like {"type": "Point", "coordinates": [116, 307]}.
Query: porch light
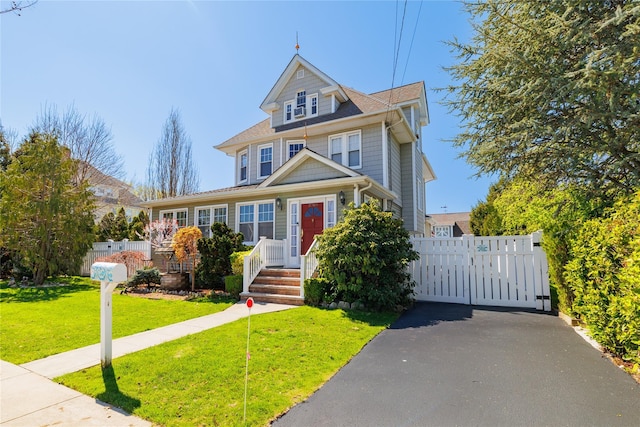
{"type": "Point", "coordinates": [342, 198]}
{"type": "Point", "coordinates": [279, 203]}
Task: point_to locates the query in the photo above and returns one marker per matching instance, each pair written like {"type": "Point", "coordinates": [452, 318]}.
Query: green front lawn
{"type": "Point", "coordinates": [39, 322]}
{"type": "Point", "coordinates": [200, 379]}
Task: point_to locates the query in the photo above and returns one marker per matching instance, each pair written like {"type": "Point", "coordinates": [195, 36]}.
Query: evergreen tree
{"type": "Point", "coordinates": [106, 227]}
{"type": "Point", "coordinates": [137, 225]}
{"type": "Point", "coordinates": [550, 91]}
{"type": "Point", "coordinates": [121, 230]}
{"type": "Point", "coordinates": [45, 218]}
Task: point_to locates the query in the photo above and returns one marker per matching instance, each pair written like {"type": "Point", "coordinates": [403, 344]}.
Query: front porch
{"type": "Point", "coordinates": [266, 280]}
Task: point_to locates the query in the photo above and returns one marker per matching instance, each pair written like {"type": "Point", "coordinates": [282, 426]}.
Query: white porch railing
{"type": "Point", "coordinates": [267, 253]}
{"type": "Point", "coordinates": [308, 265]}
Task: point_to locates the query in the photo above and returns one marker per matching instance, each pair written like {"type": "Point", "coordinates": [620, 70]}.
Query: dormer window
{"type": "Point", "coordinates": [314, 105]}
{"type": "Point", "coordinates": [301, 98]}
{"type": "Point", "coordinates": [288, 111]}
{"type": "Point", "coordinates": [302, 106]}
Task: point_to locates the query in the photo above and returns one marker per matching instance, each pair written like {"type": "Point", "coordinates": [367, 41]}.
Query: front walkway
{"type": "Point", "coordinates": [28, 396]}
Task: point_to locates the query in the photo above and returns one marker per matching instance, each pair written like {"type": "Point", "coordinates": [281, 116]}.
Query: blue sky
{"type": "Point", "coordinates": [131, 62]}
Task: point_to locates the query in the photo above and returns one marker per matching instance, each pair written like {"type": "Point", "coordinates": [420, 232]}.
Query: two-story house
{"type": "Point", "coordinates": [322, 146]}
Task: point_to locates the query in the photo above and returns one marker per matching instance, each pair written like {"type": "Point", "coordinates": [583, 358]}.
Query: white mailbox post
{"type": "Point", "coordinates": [109, 274]}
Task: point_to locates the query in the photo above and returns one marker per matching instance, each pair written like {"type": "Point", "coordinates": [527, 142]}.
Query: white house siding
{"type": "Point", "coordinates": [407, 178]}
{"type": "Point", "coordinates": [309, 83]}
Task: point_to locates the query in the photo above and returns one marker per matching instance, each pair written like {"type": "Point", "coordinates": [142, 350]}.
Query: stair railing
{"type": "Point", "coordinates": [308, 265]}
{"type": "Point", "coordinates": [266, 253]}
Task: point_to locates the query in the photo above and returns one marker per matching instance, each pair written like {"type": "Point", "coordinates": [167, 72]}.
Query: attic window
{"type": "Point", "coordinates": [300, 73]}
{"type": "Point", "coordinates": [301, 98]}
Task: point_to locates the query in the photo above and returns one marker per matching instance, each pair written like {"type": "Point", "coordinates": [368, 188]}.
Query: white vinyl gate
{"type": "Point", "coordinates": [507, 271]}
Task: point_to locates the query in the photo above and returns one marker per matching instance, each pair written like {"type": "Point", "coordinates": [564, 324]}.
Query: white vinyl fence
{"type": "Point", "coordinates": [507, 271]}
{"type": "Point", "coordinates": [102, 249]}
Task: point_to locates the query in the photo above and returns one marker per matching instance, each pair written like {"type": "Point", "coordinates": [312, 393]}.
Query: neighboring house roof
{"type": "Point", "coordinates": [123, 197]}
{"type": "Point", "coordinates": [460, 219]}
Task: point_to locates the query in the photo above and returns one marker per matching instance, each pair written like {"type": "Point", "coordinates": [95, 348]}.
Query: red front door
{"type": "Point", "coordinates": [312, 224]}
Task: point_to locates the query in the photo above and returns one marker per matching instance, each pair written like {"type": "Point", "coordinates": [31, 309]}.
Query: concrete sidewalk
{"type": "Point", "coordinates": [28, 397]}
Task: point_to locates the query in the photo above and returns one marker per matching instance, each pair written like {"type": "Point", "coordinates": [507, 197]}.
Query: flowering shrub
{"type": "Point", "coordinates": [160, 230]}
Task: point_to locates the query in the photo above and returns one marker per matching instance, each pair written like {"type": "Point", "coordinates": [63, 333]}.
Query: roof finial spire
{"type": "Point", "coordinates": [297, 45]}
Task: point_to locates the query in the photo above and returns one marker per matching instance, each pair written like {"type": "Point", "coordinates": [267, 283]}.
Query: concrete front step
{"type": "Point", "coordinates": [272, 298]}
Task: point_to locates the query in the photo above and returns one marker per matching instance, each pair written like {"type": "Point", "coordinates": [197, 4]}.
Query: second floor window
{"type": "Point", "coordinates": [265, 161]}
{"type": "Point", "coordinates": [243, 166]}
{"type": "Point", "coordinates": [294, 148]}
{"type": "Point", "coordinates": [346, 149]}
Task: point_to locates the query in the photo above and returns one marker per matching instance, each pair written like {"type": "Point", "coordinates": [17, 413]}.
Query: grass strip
{"type": "Point", "coordinates": [38, 322]}
{"type": "Point", "coordinates": [199, 379]}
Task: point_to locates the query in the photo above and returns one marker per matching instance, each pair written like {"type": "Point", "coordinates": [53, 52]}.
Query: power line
{"type": "Point", "coordinates": [415, 28]}
{"type": "Point", "coordinates": [396, 54]}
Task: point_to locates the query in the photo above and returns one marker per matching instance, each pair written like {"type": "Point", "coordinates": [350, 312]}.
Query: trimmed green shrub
{"type": "Point", "coordinates": [237, 261]}
{"type": "Point", "coordinates": [604, 275]}
{"type": "Point", "coordinates": [316, 291]}
{"type": "Point", "coordinates": [366, 255]}
{"type": "Point", "coordinates": [145, 276]}
{"type": "Point", "coordinates": [233, 285]}
{"type": "Point", "coordinates": [215, 253]}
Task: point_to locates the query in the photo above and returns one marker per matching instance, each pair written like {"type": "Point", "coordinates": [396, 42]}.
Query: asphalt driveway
{"type": "Point", "coordinates": [454, 365]}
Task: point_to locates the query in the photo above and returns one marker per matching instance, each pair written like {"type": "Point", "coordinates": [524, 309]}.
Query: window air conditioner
{"type": "Point", "coordinates": [299, 112]}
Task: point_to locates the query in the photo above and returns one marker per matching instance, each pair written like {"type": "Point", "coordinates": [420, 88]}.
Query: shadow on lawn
{"type": "Point", "coordinates": [42, 293]}
{"type": "Point", "coordinates": [112, 394]}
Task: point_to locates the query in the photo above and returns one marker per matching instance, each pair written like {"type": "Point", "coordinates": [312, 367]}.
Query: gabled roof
{"type": "Point", "coordinates": [268, 104]}
{"type": "Point", "coordinates": [297, 160]}
{"type": "Point", "coordinates": [358, 104]}
{"type": "Point", "coordinates": [403, 94]}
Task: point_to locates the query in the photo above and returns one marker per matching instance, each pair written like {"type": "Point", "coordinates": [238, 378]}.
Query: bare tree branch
{"type": "Point", "coordinates": [17, 6]}
{"type": "Point", "coordinates": [88, 138]}
{"type": "Point", "coordinates": [171, 171]}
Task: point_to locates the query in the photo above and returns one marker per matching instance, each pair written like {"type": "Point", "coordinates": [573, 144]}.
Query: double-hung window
{"type": "Point", "coordinates": [346, 149]}
{"type": "Point", "coordinates": [301, 106]}
{"type": "Point", "coordinates": [249, 222]}
{"type": "Point", "coordinates": [209, 215]}
{"type": "Point", "coordinates": [294, 147]}
{"type": "Point", "coordinates": [313, 105]}
{"type": "Point", "coordinates": [180, 215]}
{"type": "Point", "coordinates": [288, 111]}
{"type": "Point", "coordinates": [244, 160]}
{"type": "Point", "coordinates": [203, 216]}
{"type": "Point", "coordinates": [265, 160]}
{"type": "Point", "coordinates": [301, 99]}
{"type": "Point", "coordinates": [245, 222]}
